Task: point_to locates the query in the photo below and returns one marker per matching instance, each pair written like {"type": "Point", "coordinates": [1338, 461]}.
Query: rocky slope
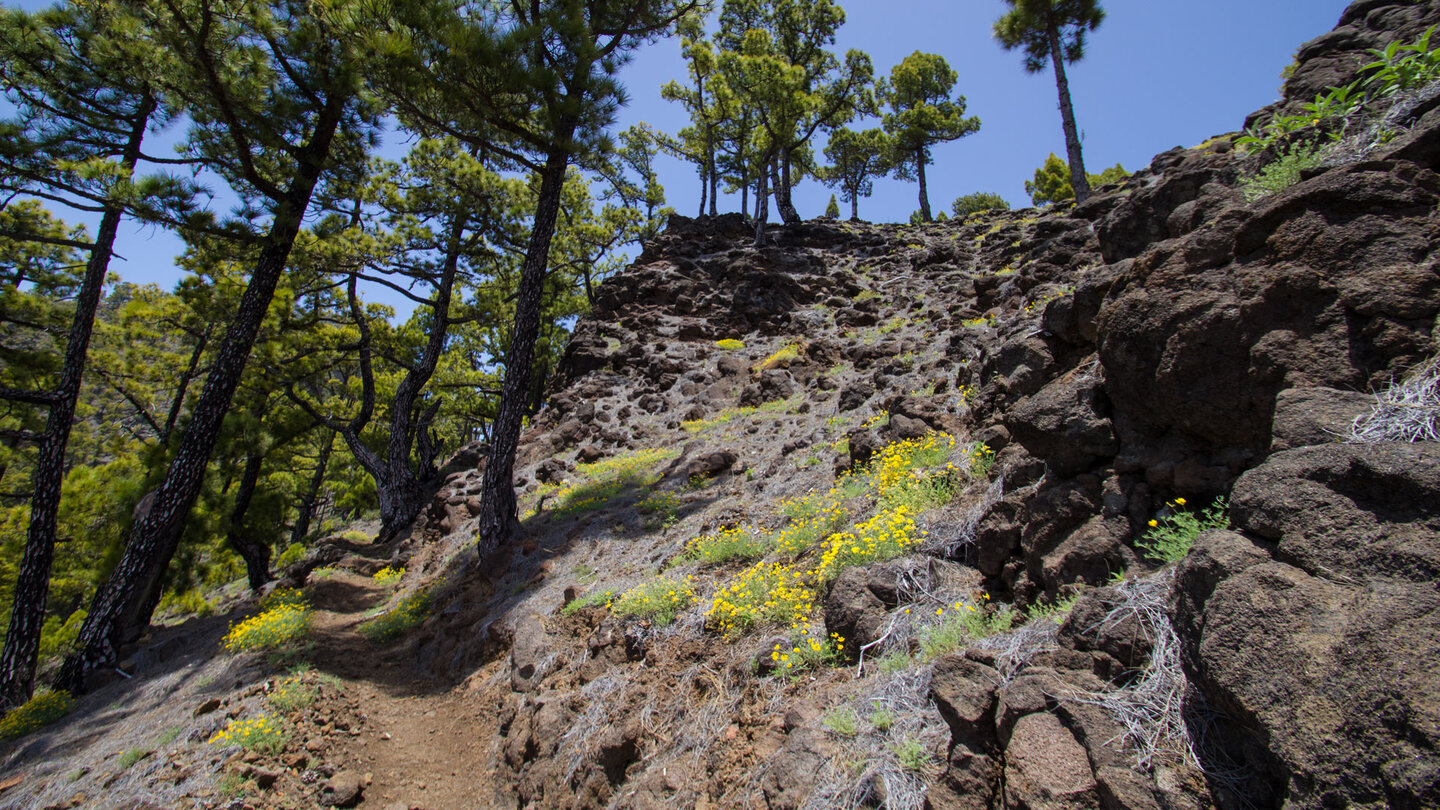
{"type": "Point", "coordinates": [1098, 367]}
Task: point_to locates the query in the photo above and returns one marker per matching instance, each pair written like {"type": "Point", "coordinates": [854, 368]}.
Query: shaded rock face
{"type": "Point", "coordinates": [1322, 631]}
{"type": "Point", "coordinates": [1331, 283]}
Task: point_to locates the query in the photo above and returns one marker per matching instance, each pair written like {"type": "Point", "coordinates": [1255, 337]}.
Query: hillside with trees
{"type": "Point", "coordinates": [457, 469]}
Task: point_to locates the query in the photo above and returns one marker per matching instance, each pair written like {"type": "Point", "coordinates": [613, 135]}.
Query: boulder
{"type": "Point", "coordinates": [1308, 639]}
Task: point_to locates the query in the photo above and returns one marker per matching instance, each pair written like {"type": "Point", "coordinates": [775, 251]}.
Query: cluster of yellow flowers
{"type": "Point", "coordinates": [764, 592]}
{"type": "Point", "coordinates": [659, 600]}
{"type": "Point", "coordinates": [729, 344]}
{"type": "Point", "coordinates": [890, 533]}
{"type": "Point", "coordinates": [806, 652]}
{"type": "Point", "coordinates": [269, 629]}
{"type": "Point", "coordinates": [1040, 303]}
{"type": "Point", "coordinates": [881, 417]}
{"type": "Point", "coordinates": [804, 532]}
{"type": "Point", "coordinates": [659, 502]}
{"type": "Point", "coordinates": [41, 710]}
{"type": "Point", "coordinates": [261, 734]}
{"type": "Point", "coordinates": [388, 576]}
{"type": "Point", "coordinates": [787, 354]}
{"type": "Point", "coordinates": [743, 542]}
{"type": "Point", "coordinates": [898, 461]}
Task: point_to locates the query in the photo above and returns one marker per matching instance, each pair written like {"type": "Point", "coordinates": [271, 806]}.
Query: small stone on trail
{"type": "Point", "coordinates": [342, 790]}
{"type": "Point", "coordinates": [205, 708]}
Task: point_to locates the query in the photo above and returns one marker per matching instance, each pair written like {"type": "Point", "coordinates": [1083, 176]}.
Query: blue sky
{"type": "Point", "coordinates": [1158, 74]}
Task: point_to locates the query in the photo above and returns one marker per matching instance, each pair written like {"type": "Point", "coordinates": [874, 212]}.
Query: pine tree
{"type": "Point", "coordinates": [1052, 181]}
{"type": "Point", "coordinates": [274, 130]}
{"type": "Point", "coordinates": [84, 101]}
{"type": "Point", "coordinates": [922, 114]}
{"type": "Point", "coordinates": [832, 208]}
{"type": "Point", "coordinates": [702, 137]}
{"type": "Point", "coordinates": [532, 83]}
{"type": "Point", "coordinates": [1053, 32]}
{"type": "Point", "coordinates": [784, 72]}
{"type": "Point", "coordinates": [856, 158]}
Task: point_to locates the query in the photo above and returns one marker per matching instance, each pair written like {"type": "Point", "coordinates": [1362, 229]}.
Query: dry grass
{"type": "Point", "coordinates": [1152, 708]}
{"type": "Point", "coordinates": [1408, 411]}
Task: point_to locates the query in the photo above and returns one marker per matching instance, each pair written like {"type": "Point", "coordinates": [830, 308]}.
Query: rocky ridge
{"type": "Point", "coordinates": [1165, 340]}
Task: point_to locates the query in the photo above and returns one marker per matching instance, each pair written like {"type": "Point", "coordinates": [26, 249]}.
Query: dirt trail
{"type": "Point", "coordinates": [421, 745]}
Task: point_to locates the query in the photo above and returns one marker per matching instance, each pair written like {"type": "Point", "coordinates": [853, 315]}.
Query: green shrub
{"type": "Point", "coordinates": [407, 614]}
{"type": "Point", "coordinates": [979, 201]}
{"type": "Point", "coordinates": [1053, 611]}
{"type": "Point", "coordinates": [41, 710]}
{"type": "Point", "coordinates": [131, 756]}
{"type": "Point", "coordinates": [912, 754]}
{"type": "Point", "coordinates": [1283, 172]}
{"type": "Point", "coordinates": [591, 599]}
{"type": "Point", "coordinates": [962, 624]}
{"type": "Point", "coordinates": [603, 481]}
{"type": "Point", "coordinates": [1168, 539]}
{"type": "Point", "coordinates": [660, 600]}
{"type": "Point", "coordinates": [292, 554]}
{"type": "Point", "coordinates": [842, 721]}
{"type": "Point", "coordinates": [881, 719]}
{"type": "Point", "coordinates": [729, 344]}
{"type": "Point", "coordinates": [388, 576]}
{"type": "Point", "coordinates": [293, 694]}
{"type": "Point", "coordinates": [733, 543]}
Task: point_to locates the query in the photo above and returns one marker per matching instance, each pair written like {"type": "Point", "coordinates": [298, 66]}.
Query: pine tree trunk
{"type": "Point", "coordinates": [172, 418]}
{"type": "Point", "coordinates": [924, 193]}
{"type": "Point", "coordinates": [762, 205]}
{"type": "Point", "coordinates": [782, 194]}
{"type": "Point", "coordinates": [122, 607]}
{"type": "Point", "coordinates": [855, 208]}
{"type": "Point", "coordinates": [312, 495]}
{"type": "Point", "coordinates": [714, 181]}
{"type": "Point", "coordinates": [255, 554]}
{"type": "Point", "coordinates": [1078, 179]}
{"type": "Point", "coordinates": [402, 497]}
{"type": "Point", "coordinates": [704, 187]}
{"type": "Point", "coordinates": [499, 520]}
{"type": "Point", "coordinates": [32, 587]}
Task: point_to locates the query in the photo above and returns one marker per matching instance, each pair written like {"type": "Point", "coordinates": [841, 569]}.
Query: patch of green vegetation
{"type": "Point", "coordinates": [292, 554]}
{"type": "Point", "coordinates": [731, 414]}
{"type": "Point", "coordinates": [881, 718]}
{"type": "Point", "coordinates": [660, 600]}
{"type": "Point", "coordinates": [1283, 172]}
{"type": "Point", "coordinates": [293, 694]}
{"type": "Point", "coordinates": [406, 615]}
{"type": "Point", "coordinates": [912, 754]}
{"type": "Point", "coordinates": [592, 599]}
{"type": "Point", "coordinates": [41, 710]}
{"type": "Point", "coordinates": [962, 624]}
{"type": "Point", "coordinates": [1055, 611]}
{"type": "Point", "coordinates": [842, 721]}
{"type": "Point", "coordinates": [729, 344]}
{"type": "Point", "coordinates": [782, 358]}
{"type": "Point", "coordinates": [130, 756]}
{"type": "Point", "coordinates": [602, 481]}
{"type": "Point", "coordinates": [1170, 538]}
{"type": "Point", "coordinates": [732, 543]}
